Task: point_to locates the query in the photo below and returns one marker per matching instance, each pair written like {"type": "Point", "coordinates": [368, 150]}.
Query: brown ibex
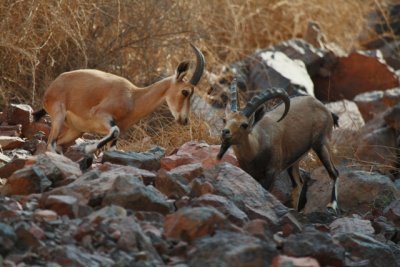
{"type": "Point", "coordinates": [98, 102]}
{"type": "Point", "coordinates": [267, 144]}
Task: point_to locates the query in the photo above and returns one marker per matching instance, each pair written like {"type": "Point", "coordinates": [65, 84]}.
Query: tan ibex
{"type": "Point", "coordinates": [98, 102]}
{"type": "Point", "coordinates": [267, 144]}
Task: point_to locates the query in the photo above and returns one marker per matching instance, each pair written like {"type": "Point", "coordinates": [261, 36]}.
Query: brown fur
{"type": "Point", "coordinates": [270, 147]}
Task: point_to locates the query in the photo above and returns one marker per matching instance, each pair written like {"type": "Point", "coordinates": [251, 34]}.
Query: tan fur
{"type": "Point", "coordinates": [87, 100]}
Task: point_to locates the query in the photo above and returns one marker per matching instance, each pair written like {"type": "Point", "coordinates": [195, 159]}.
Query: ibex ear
{"type": "Point", "coordinates": [181, 70]}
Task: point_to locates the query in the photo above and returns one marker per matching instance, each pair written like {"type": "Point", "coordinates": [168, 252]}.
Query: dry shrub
{"type": "Point", "coordinates": [159, 128]}
{"type": "Point", "coordinates": [144, 40]}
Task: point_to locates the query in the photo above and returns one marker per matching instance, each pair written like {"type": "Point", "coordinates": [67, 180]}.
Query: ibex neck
{"type": "Point", "coordinates": [147, 99]}
{"type": "Point", "coordinates": [247, 149]}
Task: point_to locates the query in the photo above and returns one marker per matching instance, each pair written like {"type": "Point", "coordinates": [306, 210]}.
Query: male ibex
{"type": "Point", "coordinates": [98, 102]}
{"type": "Point", "coordinates": [267, 144]}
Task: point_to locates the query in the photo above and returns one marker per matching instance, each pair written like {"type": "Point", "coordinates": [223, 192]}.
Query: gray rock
{"type": "Point", "coordinates": [129, 192]}
{"type": "Point", "coordinates": [149, 160]}
{"type": "Point", "coordinates": [228, 208]}
{"type": "Point", "coordinates": [231, 249]}
{"type": "Point", "coordinates": [318, 244]}
{"type": "Point", "coordinates": [8, 239]}
{"type": "Point", "coordinates": [364, 250]}
{"type": "Point", "coordinates": [358, 191]}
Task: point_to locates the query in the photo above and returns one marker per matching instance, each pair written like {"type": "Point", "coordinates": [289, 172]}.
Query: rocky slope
{"type": "Point", "coordinates": [188, 209]}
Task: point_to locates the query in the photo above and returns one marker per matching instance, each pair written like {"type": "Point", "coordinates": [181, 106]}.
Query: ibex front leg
{"type": "Point", "coordinates": [112, 136]}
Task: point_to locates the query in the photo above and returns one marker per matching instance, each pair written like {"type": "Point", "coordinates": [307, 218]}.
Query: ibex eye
{"type": "Point", "coordinates": [223, 120]}
{"type": "Point", "coordinates": [185, 93]}
{"type": "Point", "coordinates": [223, 81]}
{"type": "Point", "coordinates": [244, 125]}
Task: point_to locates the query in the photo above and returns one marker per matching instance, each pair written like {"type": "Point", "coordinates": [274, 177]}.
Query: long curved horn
{"type": "Point", "coordinates": [234, 96]}
{"type": "Point", "coordinates": [264, 96]}
{"type": "Point", "coordinates": [200, 62]}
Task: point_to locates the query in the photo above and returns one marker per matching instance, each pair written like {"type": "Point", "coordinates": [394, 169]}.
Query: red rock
{"type": "Point", "coordinates": [37, 127]}
{"type": "Point", "coordinates": [188, 171]}
{"type": "Point", "coordinates": [56, 167]}
{"type": "Point", "coordinates": [19, 114]}
{"type": "Point", "coordinates": [172, 185]}
{"type": "Point", "coordinates": [352, 75]}
{"type": "Point", "coordinates": [189, 224]}
{"type": "Point", "coordinates": [24, 182]}
{"type": "Point", "coordinates": [200, 188]}
{"type": "Point", "coordinates": [8, 169]}
{"type": "Point", "coordinates": [194, 152]}
{"type": "Point", "coordinates": [11, 142]}
{"type": "Point", "coordinates": [63, 205]}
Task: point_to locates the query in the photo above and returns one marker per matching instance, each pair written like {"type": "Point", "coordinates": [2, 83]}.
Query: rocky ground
{"type": "Point", "coordinates": [188, 209]}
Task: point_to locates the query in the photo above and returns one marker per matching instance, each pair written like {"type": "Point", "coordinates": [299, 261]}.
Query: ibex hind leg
{"type": "Point", "coordinates": [324, 155]}
{"type": "Point", "coordinates": [299, 193]}
{"type": "Point", "coordinates": [57, 119]}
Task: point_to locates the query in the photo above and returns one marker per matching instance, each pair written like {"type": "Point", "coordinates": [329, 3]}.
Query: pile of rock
{"type": "Point", "coordinates": [186, 209]}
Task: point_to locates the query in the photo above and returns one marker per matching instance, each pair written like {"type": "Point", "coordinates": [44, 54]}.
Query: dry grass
{"type": "Point", "coordinates": [143, 40]}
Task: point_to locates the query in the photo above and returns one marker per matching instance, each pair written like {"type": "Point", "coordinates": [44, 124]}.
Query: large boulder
{"type": "Point", "coordinates": [243, 190]}
{"type": "Point", "coordinates": [358, 191]}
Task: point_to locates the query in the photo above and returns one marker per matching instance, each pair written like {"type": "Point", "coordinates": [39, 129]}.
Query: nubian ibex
{"type": "Point", "coordinates": [94, 101]}
{"type": "Point", "coordinates": [268, 143]}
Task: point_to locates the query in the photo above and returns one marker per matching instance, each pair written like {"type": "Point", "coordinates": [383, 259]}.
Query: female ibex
{"type": "Point", "coordinates": [98, 102]}
{"type": "Point", "coordinates": [267, 144]}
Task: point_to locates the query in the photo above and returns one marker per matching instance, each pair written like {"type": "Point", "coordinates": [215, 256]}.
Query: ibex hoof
{"type": "Point", "coordinates": [86, 162]}
{"type": "Point", "coordinates": [90, 148]}
{"type": "Point", "coordinates": [333, 208]}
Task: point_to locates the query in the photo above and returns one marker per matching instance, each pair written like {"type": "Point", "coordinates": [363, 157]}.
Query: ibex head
{"type": "Point", "coordinates": [239, 122]}
{"type": "Point", "coordinates": [178, 96]}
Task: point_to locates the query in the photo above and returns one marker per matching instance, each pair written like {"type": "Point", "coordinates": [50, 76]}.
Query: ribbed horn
{"type": "Point", "coordinates": [200, 62]}
{"type": "Point", "coordinates": [234, 96]}
{"type": "Point", "coordinates": [264, 96]}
